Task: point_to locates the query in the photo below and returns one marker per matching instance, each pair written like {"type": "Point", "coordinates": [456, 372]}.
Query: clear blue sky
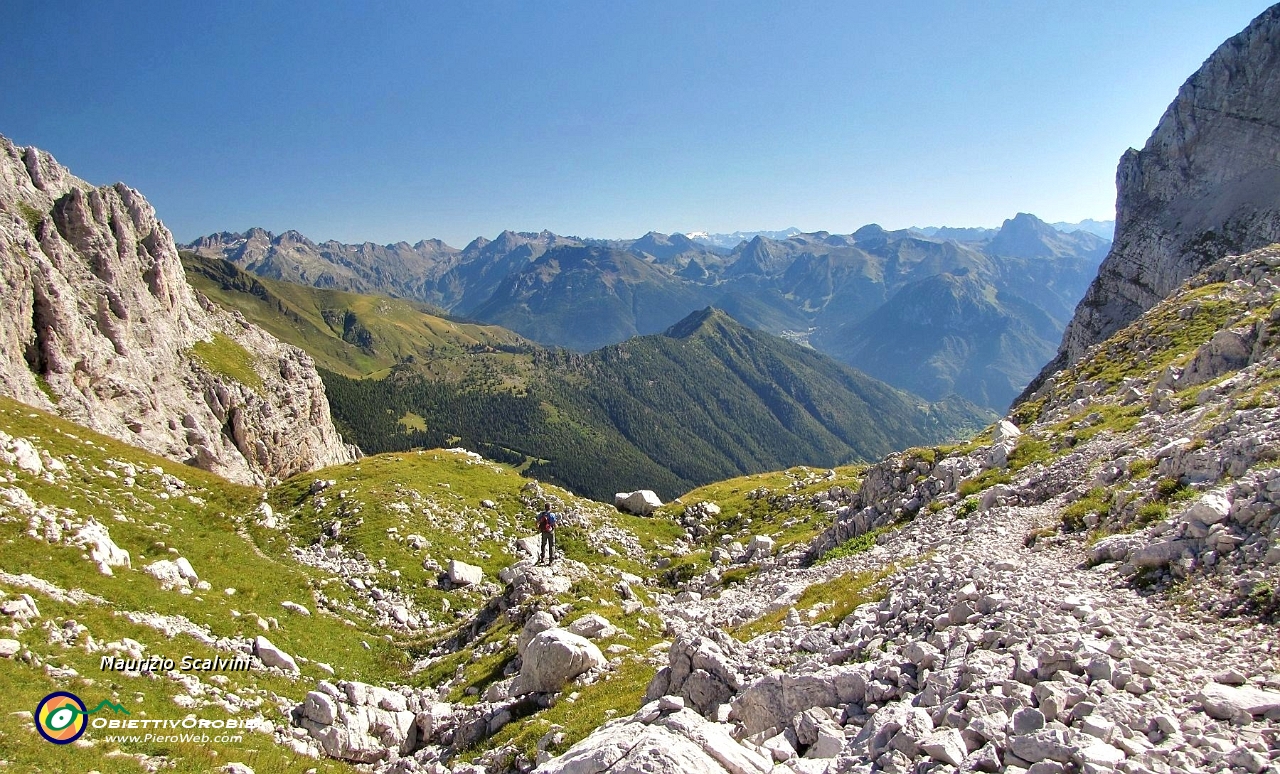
{"type": "Point", "coordinates": [389, 121]}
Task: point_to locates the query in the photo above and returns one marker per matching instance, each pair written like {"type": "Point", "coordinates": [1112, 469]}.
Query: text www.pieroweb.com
{"type": "Point", "coordinates": [187, 737]}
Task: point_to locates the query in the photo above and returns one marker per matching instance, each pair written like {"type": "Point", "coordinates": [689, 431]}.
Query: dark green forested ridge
{"type": "Point", "coordinates": [704, 401]}
{"type": "Point", "coordinates": [707, 400]}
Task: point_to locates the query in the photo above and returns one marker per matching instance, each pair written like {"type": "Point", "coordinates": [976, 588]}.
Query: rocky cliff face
{"type": "Point", "coordinates": [100, 325]}
{"type": "Point", "coordinates": [1207, 184]}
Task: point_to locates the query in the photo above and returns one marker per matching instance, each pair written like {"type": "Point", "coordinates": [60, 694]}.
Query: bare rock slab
{"type": "Point", "coordinates": [1226, 701]}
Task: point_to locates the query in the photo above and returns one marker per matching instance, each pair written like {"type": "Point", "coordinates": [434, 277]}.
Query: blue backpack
{"type": "Point", "coordinates": [546, 521]}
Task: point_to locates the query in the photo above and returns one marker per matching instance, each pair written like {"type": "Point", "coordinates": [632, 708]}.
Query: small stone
{"type": "Point", "coordinates": [986, 758]}
{"type": "Point", "coordinates": [1167, 724]}
{"type": "Point", "coordinates": [946, 745]}
{"type": "Point", "coordinates": [1230, 677]}
{"type": "Point", "coordinates": [1028, 720]}
{"type": "Point", "coordinates": [295, 607]}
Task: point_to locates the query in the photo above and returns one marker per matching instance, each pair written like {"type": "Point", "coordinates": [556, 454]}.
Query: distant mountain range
{"type": "Point", "coordinates": [705, 400]}
{"type": "Point", "coordinates": [1101, 228]}
{"type": "Point", "coordinates": [814, 288]}
{"type": "Point", "coordinates": [730, 241]}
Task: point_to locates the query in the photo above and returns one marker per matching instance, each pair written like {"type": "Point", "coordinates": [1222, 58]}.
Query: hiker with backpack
{"type": "Point", "coordinates": [547, 528]}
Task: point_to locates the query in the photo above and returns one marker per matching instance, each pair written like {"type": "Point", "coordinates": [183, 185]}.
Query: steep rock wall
{"type": "Point", "coordinates": [98, 324]}
{"type": "Point", "coordinates": [1206, 185]}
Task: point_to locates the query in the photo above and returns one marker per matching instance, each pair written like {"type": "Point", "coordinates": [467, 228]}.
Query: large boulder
{"type": "Point", "coordinates": [463, 574]}
{"type": "Point", "coordinates": [641, 502]}
{"type": "Point", "coordinates": [651, 741]}
{"type": "Point", "coordinates": [1226, 701]}
{"type": "Point", "coordinates": [272, 656]}
{"type": "Point", "coordinates": [553, 658]}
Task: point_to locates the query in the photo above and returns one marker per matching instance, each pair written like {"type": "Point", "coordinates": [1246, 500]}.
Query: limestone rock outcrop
{"type": "Point", "coordinates": [99, 325]}
{"type": "Point", "coordinates": [1206, 185]}
{"type": "Point", "coordinates": [659, 740]}
{"type": "Point", "coordinates": [553, 658]}
{"type": "Point", "coordinates": [360, 723]}
{"type": "Point", "coordinates": [641, 502]}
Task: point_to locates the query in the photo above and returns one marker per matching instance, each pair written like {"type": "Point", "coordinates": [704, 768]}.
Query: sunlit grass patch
{"type": "Point", "coordinates": [839, 597]}
{"type": "Point", "coordinates": [225, 357]}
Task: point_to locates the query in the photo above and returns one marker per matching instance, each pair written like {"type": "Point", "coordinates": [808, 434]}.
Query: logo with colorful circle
{"type": "Point", "coordinates": [61, 717]}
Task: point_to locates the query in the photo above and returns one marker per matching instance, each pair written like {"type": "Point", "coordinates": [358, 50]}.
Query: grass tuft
{"type": "Point", "coordinates": [984, 480]}
{"type": "Point", "coordinates": [839, 597]}
{"type": "Point", "coordinates": [1096, 501]}
{"type": "Point", "coordinates": [31, 215]}
{"type": "Point", "coordinates": [225, 357]}
{"type": "Point", "coordinates": [855, 545]}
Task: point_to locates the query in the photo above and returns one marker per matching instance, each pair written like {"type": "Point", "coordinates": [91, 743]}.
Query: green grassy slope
{"type": "Point", "coordinates": [538, 429]}
{"type": "Point", "coordinates": [157, 509]}
{"type": "Point", "coordinates": [347, 333]}
{"type": "Point", "coordinates": [789, 404]}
